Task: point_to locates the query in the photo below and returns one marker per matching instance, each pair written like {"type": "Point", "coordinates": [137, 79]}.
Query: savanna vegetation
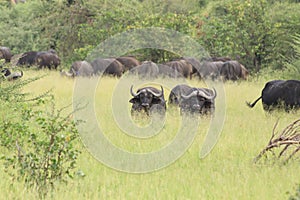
{"type": "Point", "coordinates": [42, 155]}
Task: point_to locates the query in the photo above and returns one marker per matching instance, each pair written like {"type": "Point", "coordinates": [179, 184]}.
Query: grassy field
{"type": "Point", "coordinates": [228, 172]}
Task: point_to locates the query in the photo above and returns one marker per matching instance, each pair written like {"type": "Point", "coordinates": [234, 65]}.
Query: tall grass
{"type": "Point", "coordinates": [228, 172]}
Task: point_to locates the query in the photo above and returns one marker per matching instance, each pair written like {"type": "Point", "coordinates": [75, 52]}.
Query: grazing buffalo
{"type": "Point", "coordinates": [5, 54]}
{"type": "Point", "coordinates": [208, 70]}
{"type": "Point", "coordinates": [177, 68]}
{"type": "Point", "coordinates": [166, 71]}
{"type": "Point", "coordinates": [47, 59]}
{"type": "Point", "coordinates": [194, 62]}
{"type": "Point", "coordinates": [27, 59]}
{"type": "Point", "coordinates": [219, 64]}
{"type": "Point", "coordinates": [193, 100]}
{"type": "Point", "coordinates": [10, 76]}
{"type": "Point", "coordinates": [147, 69]}
{"type": "Point", "coordinates": [108, 66]}
{"type": "Point", "coordinates": [148, 99]}
{"type": "Point", "coordinates": [129, 62]}
{"type": "Point", "coordinates": [279, 93]}
{"type": "Point", "coordinates": [187, 69]}
{"type": "Point", "coordinates": [80, 68]}
{"type": "Point", "coordinates": [233, 70]}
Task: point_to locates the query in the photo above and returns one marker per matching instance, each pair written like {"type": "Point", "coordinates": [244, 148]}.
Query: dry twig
{"type": "Point", "coordinates": [288, 138]}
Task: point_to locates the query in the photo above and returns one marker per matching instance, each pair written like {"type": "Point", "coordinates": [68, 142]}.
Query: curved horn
{"type": "Point", "coordinates": [158, 94]}
{"type": "Point", "coordinates": [68, 74]}
{"type": "Point", "coordinates": [21, 74]}
{"type": "Point", "coordinates": [193, 93]}
{"type": "Point", "coordinates": [131, 91]}
{"type": "Point", "coordinates": [206, 95]}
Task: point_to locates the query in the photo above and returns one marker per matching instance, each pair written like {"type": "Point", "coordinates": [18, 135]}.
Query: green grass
{"type": "Point", "coordinates": [228, 172]}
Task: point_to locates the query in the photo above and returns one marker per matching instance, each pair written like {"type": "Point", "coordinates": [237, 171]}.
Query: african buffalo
{"type": "Point", "coordinates": [80, 68]}
{"type": "Point", "coordinates": [47, 59]}
{"type": "Point", "coordinates": [27, 59]}
{"type": "Point", "coordinates": [208, 70]}
{"type": "Point", "coordinates": [193, 100]}
{"type": "Point", "coordinates": [5, 54]}
{"type": "Point", "coordinates": [177, 68]}
{"type": "Point", "coordinates": [233, 70]}
{"type": "Point", "coordinates": [187, 68]}
{"type": "Point", "coordinates": [108, 66]}
{"type": "Point", "coordinates": [166, 71]}
{"type": "Point", "coordinates": [147, 69]}
{"type": "Point", "coordinates": [148, 99]}
{"type": "Point", "coordinates": [10, 76]}
{"type": "Point", "coordinates": [279, 93]}
{"type": "Point", "coordinates": [129, 62]}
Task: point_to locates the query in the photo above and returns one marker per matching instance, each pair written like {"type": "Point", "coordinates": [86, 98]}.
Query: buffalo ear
{"type": "Point", "coordinates": [133, 100]}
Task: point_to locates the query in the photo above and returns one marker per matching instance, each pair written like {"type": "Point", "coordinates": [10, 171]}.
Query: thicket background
{"type": "Point", "coordinates": [258, 33]}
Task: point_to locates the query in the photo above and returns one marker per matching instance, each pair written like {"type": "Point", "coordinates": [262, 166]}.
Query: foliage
{"type": "Point", "coordinates": [36, 140]}
{"type": "Point", "coordinates": [296, 196]}
{"type": "Point", "coordinates": [112, 22]}
{"type": "Point", "coordinates": [247, 31]}
{"type": "Point", "coordinates": [291, 69]}
{"type": "Point", "coordinates": [41, 25]}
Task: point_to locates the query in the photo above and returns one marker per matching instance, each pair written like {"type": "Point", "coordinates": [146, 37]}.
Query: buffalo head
{"type": "Point", "coordinates": [198, 100]}
{"type": "Point", "coordinates": [146, 99]}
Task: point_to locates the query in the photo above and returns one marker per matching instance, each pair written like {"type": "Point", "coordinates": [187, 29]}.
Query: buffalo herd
{"type": "Point", "coordinates": [185, 67]}
{"type": "Point", "coordinates": [276, 93]}
{"type": "Point", "coordinates": [216, 68]}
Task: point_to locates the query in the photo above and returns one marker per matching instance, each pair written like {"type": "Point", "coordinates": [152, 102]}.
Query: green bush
{"type": "Point", "coordinates": [36, 139]}
{"type": "Point", "coordinates": [256, 32]}
{"type": "Point", "coordinates": [296, 196]}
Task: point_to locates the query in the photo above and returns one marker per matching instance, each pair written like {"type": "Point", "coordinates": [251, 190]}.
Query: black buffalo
{"type": "Point", "coordinates": [47, 59]}
{"type": "Point", "coordinates": [108, 66]}
{"type": "Point", "coordinates": [148, 99]}
{"type": "Point", "coordinates": [176, 67]}
{"type": "Point", "coordinates": [10, 76]}
{"type": "Point", "coordinates": [5, 54]}
{"type": "Point", "coordinates": [279, 94]}
{"type": "Point", "coordinates": [27, 59]}
{"type": "Point", "coordinates": [182, 66]}
{"type": "Point", "coordinates": [208, 70]}
{"type": "Point", "coordinates": [168, 72]}
{"type": "Point", "coordinates": [187, 68]}
{"type": "Point", "coordinates": [129, 62]}
{"type": "Point", "coordinates": [146, 70]}
{"type": "Point", "coordinates": [79, 68]}
{"type": "Point", "coordinates": [193, 100]}
{"type": "Point", "coordinates": [42, 59]}
{"type": "Point", "coordinates": [233, 70]}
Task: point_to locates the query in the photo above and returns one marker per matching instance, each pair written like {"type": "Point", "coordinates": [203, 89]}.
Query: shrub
{"type": "Point", "coordinates": [37, 140]}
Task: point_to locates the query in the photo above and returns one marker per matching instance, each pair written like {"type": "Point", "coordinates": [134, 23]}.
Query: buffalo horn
{"type": "Point", "coordinates": [207, 96]}
{"type": "Point", "coordinates": [131, 91]}
{"type": "Point", "coordinates": [193, 93]}
{"type": "Point", "coordinates": [158, 94]}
